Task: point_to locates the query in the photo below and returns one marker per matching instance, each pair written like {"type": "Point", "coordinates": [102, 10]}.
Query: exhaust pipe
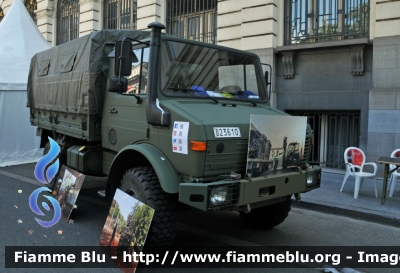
{"type": "Point", "coordinates": [155, 115]}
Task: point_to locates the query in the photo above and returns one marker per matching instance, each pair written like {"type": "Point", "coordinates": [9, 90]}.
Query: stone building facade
{"type": "Point", "coordinates": [337, 63]}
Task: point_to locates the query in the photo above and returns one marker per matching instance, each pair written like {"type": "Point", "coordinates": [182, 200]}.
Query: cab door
{"type": "Point", "coordinates": [124, 119]}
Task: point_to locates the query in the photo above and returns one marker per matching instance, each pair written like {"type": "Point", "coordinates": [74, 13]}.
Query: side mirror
{"type": "Point", "coordinates": [116, 86]}
{"type": "Point", "coordinates": [266, 78]}
{"type": "Point", "coordinates": [123, 58]}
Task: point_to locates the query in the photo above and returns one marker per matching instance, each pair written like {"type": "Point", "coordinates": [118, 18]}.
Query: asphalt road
{"type": "Point", "coordinates": [302, 228]}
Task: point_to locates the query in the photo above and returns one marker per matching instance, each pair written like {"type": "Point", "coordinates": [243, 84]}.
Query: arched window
{"type": "Point", "coordinates": [67, 20]}
{"type": "Point", "coordinates": [1, 14]}
{"type": "Point", "coordinates": [31, 6]}
{"type": "Point", "coordinates": [120, 14]}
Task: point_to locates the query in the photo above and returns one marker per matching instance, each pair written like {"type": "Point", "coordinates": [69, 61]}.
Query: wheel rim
{"type": "Point", "coordinates": [131, 192]}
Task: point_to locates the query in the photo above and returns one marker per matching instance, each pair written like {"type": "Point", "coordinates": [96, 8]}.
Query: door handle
{"type": "Point", "coordinates": [113, 111]}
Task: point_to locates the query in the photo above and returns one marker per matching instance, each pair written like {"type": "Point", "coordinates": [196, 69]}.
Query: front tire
{"type": "Point", "coordinates": [268, 217]}
{"type": "Point", "coordinates": [143, 184]}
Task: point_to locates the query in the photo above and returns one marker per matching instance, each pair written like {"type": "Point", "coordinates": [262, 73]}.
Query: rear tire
{"type": "Point", "coordinates": [143, 184]}
{"type": "Point", "coordinates": [268, 217]}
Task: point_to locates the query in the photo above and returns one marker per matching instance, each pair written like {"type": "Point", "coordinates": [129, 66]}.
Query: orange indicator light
{"type": "Point", "coordinates": [198, 145]}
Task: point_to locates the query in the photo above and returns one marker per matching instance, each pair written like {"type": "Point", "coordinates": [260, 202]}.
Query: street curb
{"type": "Point", "coordinates": [21, 178]}
{"type": "Point", "coordinates": [367, 215]}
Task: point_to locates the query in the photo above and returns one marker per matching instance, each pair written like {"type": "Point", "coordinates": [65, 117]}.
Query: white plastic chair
{"type": "Point", "coordinates": [355, 162]}
{"type": "Point", "coordinates": [395, 174]}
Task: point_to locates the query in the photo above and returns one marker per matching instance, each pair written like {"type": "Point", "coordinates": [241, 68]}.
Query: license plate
{"type": "Point", "coordinates": [220, 132]}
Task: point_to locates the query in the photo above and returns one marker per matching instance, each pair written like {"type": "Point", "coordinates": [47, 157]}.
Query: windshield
{"type": "Point", "coordinates": [191, 70]}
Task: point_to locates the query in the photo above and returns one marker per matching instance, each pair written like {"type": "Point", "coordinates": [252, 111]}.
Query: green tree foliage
{"type": "Point", "coordinates": [115, 215]}
{"type": "Point", "coordinates": [114, 209]}
{"type": "Point", "coordinates": [141, 222]}
{"type": "Point", "coordinates": [114, 203]}
{"type": "Point", "coordinates": [121, 221]}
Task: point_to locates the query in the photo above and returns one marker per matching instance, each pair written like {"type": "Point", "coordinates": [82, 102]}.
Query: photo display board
{"type": "Point", "coordinates": [275, 143]}
{"type": "Point", "coordinates": [66, 190]}
{"type": "Point", "coordinates": [126, 228]}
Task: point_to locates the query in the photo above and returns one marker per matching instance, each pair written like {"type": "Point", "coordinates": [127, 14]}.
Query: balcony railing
{"type": "Point", "coordinates": [311, 21]}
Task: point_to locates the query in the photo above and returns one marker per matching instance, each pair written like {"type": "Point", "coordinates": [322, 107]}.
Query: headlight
{"type": "Point", "coordinates": [313, 179]}
{"type": "Point", "coordinates": [218, 195]}
{"type": "Point", "coordinates": [223, 195]}
{"type": "Point", "coordinates": [310, 178]}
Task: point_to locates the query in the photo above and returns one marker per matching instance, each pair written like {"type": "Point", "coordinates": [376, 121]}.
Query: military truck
{"type": "Point", "coordinates": [291, 156]}
{"type": "Point", "coordinates": [258, 153]}
{"type": "Point", "coordinates": [181, 135]}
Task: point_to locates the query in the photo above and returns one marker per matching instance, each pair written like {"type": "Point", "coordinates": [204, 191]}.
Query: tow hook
{"type": "Point", "coordinates": [247, 209]}
{"type": "Point", "coordinates": [297, 196]}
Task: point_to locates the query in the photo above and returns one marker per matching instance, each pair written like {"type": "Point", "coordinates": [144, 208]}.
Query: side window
{"type": "Point", "coordinates": [137, 81]}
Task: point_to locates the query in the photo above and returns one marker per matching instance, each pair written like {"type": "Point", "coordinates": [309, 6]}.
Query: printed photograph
{"type": "Point", "coordinates": [66, 190]}
{"type": "Point", "coordinates": [275, 143]}
{"type": "Point", "coordinates": [126, 228]}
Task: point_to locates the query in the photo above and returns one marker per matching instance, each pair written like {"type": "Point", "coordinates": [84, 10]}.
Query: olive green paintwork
{"type": "Point", "coordinates": [130, 124]}
{"type": "Point", "coordinates": [257, 192]}
{"type": "Point", "coordinates": [166, 174]}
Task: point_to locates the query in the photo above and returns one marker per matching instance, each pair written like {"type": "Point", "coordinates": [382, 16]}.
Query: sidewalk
{"type": "Point", "coordinates": [328, 198]}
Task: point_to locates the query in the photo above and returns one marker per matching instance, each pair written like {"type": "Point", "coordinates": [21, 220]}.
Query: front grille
{"type": "Point", "coordinates": [308, 144]}
{"type": "Point", "coordinates": [231, 158]}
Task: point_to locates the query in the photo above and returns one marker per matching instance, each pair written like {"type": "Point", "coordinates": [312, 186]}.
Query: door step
{"type": "Point", "coordinates": [102, 193]}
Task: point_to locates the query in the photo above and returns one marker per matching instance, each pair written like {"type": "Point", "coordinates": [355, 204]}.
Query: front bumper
{"type": "Point", "coordinates": [257, 192]}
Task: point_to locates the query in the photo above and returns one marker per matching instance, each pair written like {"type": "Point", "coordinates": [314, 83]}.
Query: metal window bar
{"type": "Point", "coordinates": [67, 21]}
{"type": "Point", "coordinates": [193, 19]}
{"type": "Point", "coordinates": [31, 6]}
{"type": "Point", "coordinates": [1, 14]}
{"type": "Point", "coordinates": [310, 21]}
{"type": "Point", "coordinates": [120, 14]}
{"type": "Point", "coordinates": [333, 133]}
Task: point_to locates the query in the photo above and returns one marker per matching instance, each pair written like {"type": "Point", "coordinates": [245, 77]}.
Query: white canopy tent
{"type": "Point", "coordinates": [20, 39]}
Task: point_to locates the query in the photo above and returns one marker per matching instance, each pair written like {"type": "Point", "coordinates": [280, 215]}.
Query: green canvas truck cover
{"type": "Point", "coordinates": [71, 78]}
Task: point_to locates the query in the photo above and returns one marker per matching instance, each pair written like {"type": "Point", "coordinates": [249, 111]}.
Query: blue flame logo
{"type": "Point", "coordinates": [35, 208]}
{"type": "Point", "coordinates": [44, 161]}
{"type": "Point", "coordinates": [45, 177]}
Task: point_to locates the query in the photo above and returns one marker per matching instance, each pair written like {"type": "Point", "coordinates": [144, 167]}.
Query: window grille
{"type": "Point", "coordinates": [193, 19]}
{"type": "Point", "coordinates": [67, 20]}
{"type": "Point", "coordinates": [120, 14]}
{"type": "Point", "coordinates": [310, 21]}
{"type": "Point", "coordinates": [31, 6]}
{"type": "Point", "coordinates": [333, 133]}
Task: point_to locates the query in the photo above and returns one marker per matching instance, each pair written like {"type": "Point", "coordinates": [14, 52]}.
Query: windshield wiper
{"type": "Point", "coordinates": [252, 102]}
{"type": "Point", "coordinates": [214, 100]}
